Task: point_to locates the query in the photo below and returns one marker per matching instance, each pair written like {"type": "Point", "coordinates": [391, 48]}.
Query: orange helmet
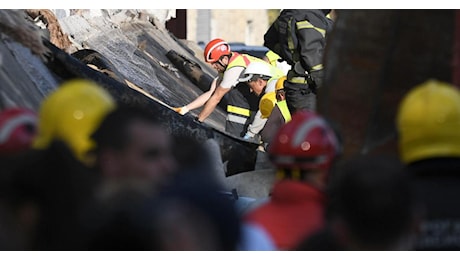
{"type": "Point", "coordinates": [215, 49]}
{"type": "Point", "coordinates": [306, 142]}
{"type": "Point", "coordinates": [18, 127]}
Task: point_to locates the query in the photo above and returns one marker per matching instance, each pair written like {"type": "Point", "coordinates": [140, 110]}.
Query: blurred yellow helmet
{"type": "Point", "coordinates": [71, 114]}
{"type": "Point", "coordinates": [428, 122]}
{"type": "Point", "coordinates": [267, 103]}
{"type": "Point", "coordinates": [280, 83]}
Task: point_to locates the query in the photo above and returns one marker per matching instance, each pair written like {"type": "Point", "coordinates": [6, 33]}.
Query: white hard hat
{"type": "Point", "coordinates": [261, 69]}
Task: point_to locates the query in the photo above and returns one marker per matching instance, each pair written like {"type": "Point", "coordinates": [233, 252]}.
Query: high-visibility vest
{"type": "Point", "coordinates": [282, 105]}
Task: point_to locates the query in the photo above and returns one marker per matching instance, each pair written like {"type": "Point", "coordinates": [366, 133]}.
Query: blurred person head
{"type": "Point", "coordinates": [71, 114]}
{"type": "Point", "coordinates": [428, 120]}
{"type": "Point", "coordinates": [189, 214]}
{"type": "Point", "coordinates": [371, 205]}
{"type": "Point", "coordinates": [132, 144]}
{"type": "Point", "coordinates": [305, 148]}
{"type": "Point", "coordinates": [193, 214]}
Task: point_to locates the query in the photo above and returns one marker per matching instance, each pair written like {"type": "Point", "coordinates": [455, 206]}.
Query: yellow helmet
{"type": "Point", "coordinates": [71, 114]}
{"type": "Point", "coordinates": [280, 83]}
{"type": "Point", "coordinates": [428, 122]}
{"type": "Point", "coordinates": [267, 103]}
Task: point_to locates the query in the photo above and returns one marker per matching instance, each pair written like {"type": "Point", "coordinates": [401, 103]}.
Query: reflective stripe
{"type": "Point", "coordinates": [295, 174]}
{"type": "Point", "coordinates": [280, 174]}
{"type": "Point", "coordinates": [11, 125]}
{"type": "Point", "coordinates": [317, 67]}
{"type": "Point", "coordinates": [299, 80]}
{"type": "Point", "coordinates": [238, 110]}
{"type": "Point", "coordinates": [307, 25]}
{"type": "Point", "coordinates": [290, 40]}
{"type": "Point", "coordinates": [237, 119]}
{"type": "Point", "coordinates": [282, 105]}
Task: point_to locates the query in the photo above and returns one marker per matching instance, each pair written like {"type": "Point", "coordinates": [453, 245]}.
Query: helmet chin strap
{"type": "Point", "coordinates": [223, 66]}
{"type": "Point", "coordinates": [220, 62]}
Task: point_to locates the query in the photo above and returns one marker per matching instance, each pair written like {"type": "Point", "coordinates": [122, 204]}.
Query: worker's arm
{"type": "Point", "coordinates": [257, 124]}
{"type": "Point", "coordinates": [212, 102]}
{"type": "Point", "coordinates": [199, 101]}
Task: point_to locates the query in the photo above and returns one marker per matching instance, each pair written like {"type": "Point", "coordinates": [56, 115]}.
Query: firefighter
{"type": "Point", "coordinates": [302, 151]}
{"type": "Point", "coordinates": [298, 36]}
{"type": "Point", "coordinates": [276, 112]}
{"type": "Point", "coordinates": [261, 79]}
{"type": "Point", "coordinates": [428, 123]}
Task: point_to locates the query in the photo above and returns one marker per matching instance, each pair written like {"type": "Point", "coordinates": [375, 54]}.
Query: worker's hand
{"type": "Point", "coordinates": [196, 120]}
{"type": "Point", "coordinates": [250, 137]}
{"type": "Point", "coordinates": [181, 110]}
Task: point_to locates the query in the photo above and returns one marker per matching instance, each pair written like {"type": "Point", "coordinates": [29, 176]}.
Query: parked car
{"type": "Point", "coordinates": [253, 50]}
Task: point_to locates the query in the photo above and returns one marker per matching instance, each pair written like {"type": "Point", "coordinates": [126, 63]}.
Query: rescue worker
{"type": "Point", "coordinates": [242, 105]}
{"type": "Point", "coordinates": [71, 114]}
{"type": "Point", "coordinates": [56, 177]}
{"type": "Point", "coordinates": [259, 77]}
{"type": "Point", "coordinates": [299, 37]}
{"type": "Point", "coordinates": [276, 112]}
{"type": "Point", "coordinates": [428, 122]}
{"type": "Point", "coordinates": [302, 151]}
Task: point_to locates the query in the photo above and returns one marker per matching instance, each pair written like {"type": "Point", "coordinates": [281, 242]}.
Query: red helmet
{"type": "Point", "coordinates": [215, 49]}
{"type": "Point", "coordinates": [306, 142]}
{"type": "Point", "coordinates": [18, 127]}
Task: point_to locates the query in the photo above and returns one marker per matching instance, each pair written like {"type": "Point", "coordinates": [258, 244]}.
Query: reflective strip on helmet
{"type": "Point", "coordinates": [237, 119]}
{"type": "Point", "coordinates": [238, 110]}
{"type": "Point", "coordinates": [304, 130]}
{"type": "Point", "coordinates": [307, 25]}
{"type": "Point", "coordinates": [8, 128]}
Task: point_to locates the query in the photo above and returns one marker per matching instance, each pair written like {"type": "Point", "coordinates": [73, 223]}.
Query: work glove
{"type": "Point", "coordinates": [181, 110]}
{"type": "Point", "coordinates": [247, 136]}
{"type": "Point", "coordinates": [250, 137]}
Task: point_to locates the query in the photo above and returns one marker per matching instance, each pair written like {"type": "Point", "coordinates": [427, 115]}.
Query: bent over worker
{"type": "Point", "coordinates": [242, 104]}
{"type": "Point", "coordinates": [261, 79]}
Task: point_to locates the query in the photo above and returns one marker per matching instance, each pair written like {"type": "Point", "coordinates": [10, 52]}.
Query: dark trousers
{"type": "Point", "coordinates": [299, 96]}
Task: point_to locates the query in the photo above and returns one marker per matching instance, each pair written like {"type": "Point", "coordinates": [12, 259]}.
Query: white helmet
{"type": "Point", "coordinates": [261, 69]}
